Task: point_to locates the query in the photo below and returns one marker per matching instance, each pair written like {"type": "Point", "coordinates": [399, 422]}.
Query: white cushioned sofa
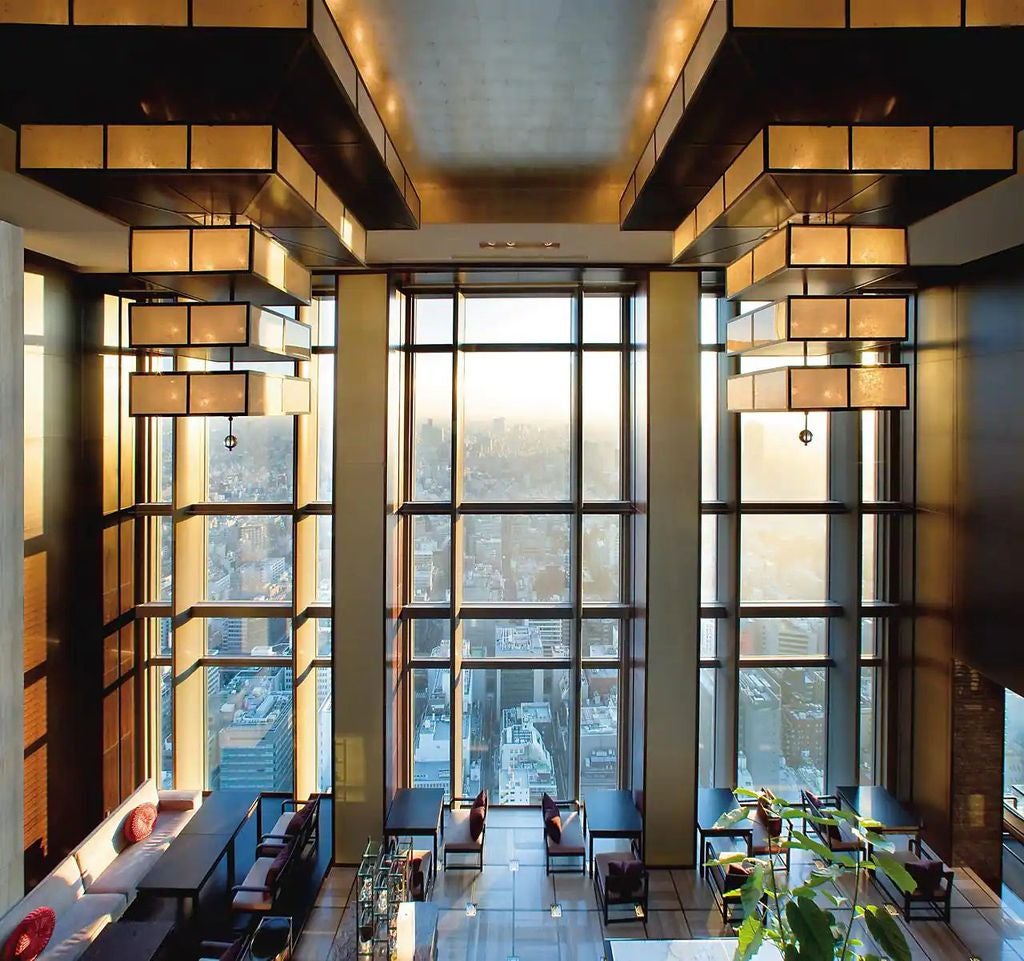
{"type": "Point", "coordinates": [96, 883]}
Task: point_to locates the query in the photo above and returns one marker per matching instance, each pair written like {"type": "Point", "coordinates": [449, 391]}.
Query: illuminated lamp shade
{"type": "Point", "coordinates": [243, 393]}
{"type": "Point", "coordinates": [244, 256]}
{"type": "Point", "coordinates": [819, 325]}
{"type": "Point", "coordinates": [208, 330]}
{"type": "Point", "coordinates": [803, 389]}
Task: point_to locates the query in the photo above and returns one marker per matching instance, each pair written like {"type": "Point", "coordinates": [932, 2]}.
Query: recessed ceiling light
{"type": "Point", "coordinates": [556, 910]}
{"type": "Point", "coordinates": [520, 244]}
{"type": "Point", "coordinates": [513, 865]}
{"type": "Point", "coordinates": [470, 909]}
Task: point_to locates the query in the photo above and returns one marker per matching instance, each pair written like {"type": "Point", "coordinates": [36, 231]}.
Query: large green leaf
{"type": "Point", "coordinates": [887, 933]}
{"type": "Point", "coordinates": [804, 843]}
{"type": "Point", "coordinates": [813, 930]}
{"type": "Point", "coordinates": [751, 934]}
{"type": "Point", "coordinates": [753, 889]}
{"type": "Point", "coordinates": [878, 841]}
{"type": "Point", "coordinates": [895, 871]}
{"type": "Point", "coordinates": [731, 818]}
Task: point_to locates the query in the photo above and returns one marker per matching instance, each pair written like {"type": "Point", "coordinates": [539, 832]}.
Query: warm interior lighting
{"type": "Point", "coordinates": [805, 389]}
{"type": "Point", "coordinates": [203, 327]}
{"type": "Point", "coordinates": [217, 250]}
{"type": "Point", "coordinates": [244, 393]}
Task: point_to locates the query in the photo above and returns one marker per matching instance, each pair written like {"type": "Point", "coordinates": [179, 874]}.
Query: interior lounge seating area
{"type": "Point", "coordinates": [511, 481]}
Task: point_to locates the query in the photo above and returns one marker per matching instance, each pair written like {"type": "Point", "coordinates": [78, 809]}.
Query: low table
{"type": "Point", "coordinates": [611, 814]}
{"type": "Point", "coordinates": [417, 812]}
{"type": "Point", "coordinates": [712, 803]}
{"type": "Point", "coordinates": [703, 949]}
{"type": "Point", "coordinates": [224, 814]}
{"type": "Point", "coordinates": [129, 941]}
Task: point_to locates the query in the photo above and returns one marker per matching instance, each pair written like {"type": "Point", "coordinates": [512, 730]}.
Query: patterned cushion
{"type": "Point", "coordinates": [480, 800]}
{"type": "Point", "coordinates": [139, 824]}
{"type": "Point", "coordinates": [625, 878]}
{"type": "Point", "coordinates": [476, 821]}
{"type": "Point", "coordinates": [31, 936]}
{"type": "Point", "coordinates": [548, 806]}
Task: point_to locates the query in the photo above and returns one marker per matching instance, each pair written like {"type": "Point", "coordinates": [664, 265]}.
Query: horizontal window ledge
{"type": "Point", "coordinates": [887, 507]}
{"type": "Point", "coordinates": [157, 661]}
{"type": "Point", "coordinates": [321, 610]}
{"type": "Point", "coordinates": [511, 664]}
{"type": "Point", "coordinates": [240, 609]}
{"type": "Point", "coordinates": [153, 609]}
{"type": "Point", "coordinates": [607, 611]}
{"type": "Point", "coordinates": [424, 609]}
{"type": "Point", "coordinates": [551, 612]}
{"type": "Point", "coordinates": [154, 510]}
{"type": "Point", "coordinates": [755, 662]}
{"type": "Point", "coordinates": [717, 611]}
{"type": "Point", "coordinates": [795, 507]}
{"type": "Point", "coordinates": [209, 660]}
{"type": "Point", "coordinates": [710, 662]}
{"type": "Point", "coordinates": [881, 609]}
{"type": "Point", "coordinates": [426, 508]}
{"type": "Point", "coordinates": [231, 509]}
{"type": "Point", "coordinates": [317, 508]}
{"type": "Point", "coordinates": [791, 609]}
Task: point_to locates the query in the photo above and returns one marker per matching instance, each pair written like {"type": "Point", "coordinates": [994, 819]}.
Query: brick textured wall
{"type": "Point", "coordinates": [977, 782]}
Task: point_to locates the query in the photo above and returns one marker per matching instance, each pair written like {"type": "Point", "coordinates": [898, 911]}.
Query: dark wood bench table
{"type": "Point", "coordinates": [129, 941]}
{"type": "Point", "coordinates": [712, 803]}
{"type": "Point", "coordinates": [192, 857]}
{"type": "Point", "coordinates": [879, 805]}
{"type": "Point", "coordinates": [417, 812]}
{"type": "Point", "coordinates": [611, 814]}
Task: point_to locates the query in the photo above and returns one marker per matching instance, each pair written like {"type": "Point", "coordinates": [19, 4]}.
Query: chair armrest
{"type": "Point", "coordinates": [255, 888]}
{"type": "Point", "coordinates": [275, 837]}
{"type": "Point", "coordinates": [214, 945]}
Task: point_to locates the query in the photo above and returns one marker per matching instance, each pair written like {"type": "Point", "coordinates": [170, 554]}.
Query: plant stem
{"type": "Point", "coordinates": [853, 910]}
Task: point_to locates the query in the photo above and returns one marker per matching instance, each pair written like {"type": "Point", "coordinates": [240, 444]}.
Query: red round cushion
{"type": "Point", "coordinates": [31, 936]}
{"type": "Point", "coordinates": [139, 824]}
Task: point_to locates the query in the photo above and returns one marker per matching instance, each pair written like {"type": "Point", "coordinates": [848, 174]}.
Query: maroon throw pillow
{"type": "Point", "coordinates": [299, 818]}
{"type": "Point", "coordinates": [139, 824]}
{"type": "Point", "coordinates": [548, 806]}
{"type": "Point", "coordinates": [476, 821]}
{"type": "Point", "coordinates": [30, 938]}
{"type": "Point", "coordinates": [736, 876]}
{"type": "Point", "coordinates": [274, 872]}
{"type": "Point", "coordinates": [927, 874]}
{"type": "Point", "coordinates": [480, 800]}
{"type": "Point", "coordinates": [625, 877]}
{"type": "Point", "coordinates": [416, 879]}
{"type": "Point", "coordinates": [234, 951]}
{"type": "Point", "coordinates": [772, 823]}
{"type": "Point", "coordinates": [553, 828]}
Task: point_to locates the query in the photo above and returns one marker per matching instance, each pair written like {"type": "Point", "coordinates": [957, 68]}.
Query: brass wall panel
{"type": "Point", "coordinates": [891, 148]}
{"type": "Point", "coordinates": [789, 13]}
{"type": "Point", "coordinates": [33, 11]}
{"type": "Point", "coordinates": [809, 147]}
{"type": "Point", "coordinates": [147, 147]}
{"type": "Point", "coordinates": [994, 13]}
{"type": "Point", "coordinates": [974, 148]}
{"type": "Point", "coordinates": [294, 168]}
{"type": "Point", "coordinates": [817, 245]}
{"type": "Point", "coordinates": [69, 146]}
{"type": "Point", "coordinates": [157, 13]}
{"type": "Point", "coordinates": [249, 13]}
{"type": "Point", "coordinates": [905, 13]}
{"type": "Point", "coordinates": [228, 147]}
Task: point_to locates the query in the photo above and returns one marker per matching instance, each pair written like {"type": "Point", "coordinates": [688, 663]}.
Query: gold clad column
{"type": "Point", "coordinates": [189, 588]}
{"type": "Point", "coordinates": [304, 625]}
{"type": "Point", "coordinates": [360, 492]}
{"type": "Point", "coordinates": [12, 550]}
{"type": "Point", "coordinates": [673, 565]}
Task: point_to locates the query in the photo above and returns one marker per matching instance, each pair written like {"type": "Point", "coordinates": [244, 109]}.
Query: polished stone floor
{"type": "Point", "coordinates": [514, 910]}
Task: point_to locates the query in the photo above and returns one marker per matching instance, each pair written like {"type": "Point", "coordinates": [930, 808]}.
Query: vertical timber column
{"type": "Point", "coordinates": [673, 590]}
{"type": "Point", "coordinates": [359, 561]}
{"type": "Point", "coordinates": [12, 549]}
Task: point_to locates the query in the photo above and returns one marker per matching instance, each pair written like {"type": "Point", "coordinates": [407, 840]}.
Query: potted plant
{"type": "Point", "coordinates": [789, 916]}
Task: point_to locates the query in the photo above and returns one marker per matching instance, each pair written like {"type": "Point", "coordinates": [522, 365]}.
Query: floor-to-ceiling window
{"type": "Point", "coordinates": [237, 579]}
{"type": "Point", "coordinates": [799, 577]}
{"type": "Point", "coordinates": [517, 509]}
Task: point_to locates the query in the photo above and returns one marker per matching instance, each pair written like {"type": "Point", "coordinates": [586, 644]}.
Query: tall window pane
{"type": "Point", "coordinates": [1013, 758]}
{"type": "Point", "coordinates": [776, 465]}
{"type": "Point", "coordinates": [518, 320]}
{"type": "Point", "coordinates": [706, 728]}
{"type": "Point", "coordinates": [324, 730]}
{"type": "Point", "coordinates": [602, 319]}
{"type": "Point", "coordinates": [601, 638]}
{"type": "Point", "coordinates": [602, 559]}
{"type": "Point", "coordinates": [432, 427]}
{"type": "Point", "coordinates": [599, 729]}
{"type": "Point", "coordinates": [524, 639]}
{"type": "Point", "coordinates": [431, 558]}
{"type": "Point", "coordinates": [602, 426]}
{"type": "Point", "coordinates": [868, 716]}
{"type": "Point", "coordinates": [431, 637]}
{"type": "Point", "coordinates": [784, 557]}
{"type": "Point", "coordinates": [433, 320]}
{"type": "Point", "coordinates": [248, 637]}
{"type": "Point", "coordinates": [708, 558]}
{"type": "Point", "coordinates": [869, 557]}
{"type": "Point", "coordinates": [516, 433]}
{"type": "Point", "coordinates": [325, 426]}
{"type": "Point", "coordinates": [164, 714]}
{"type": "Point", "coordinates": [249, 728]}
{"type": "Point", "coordinates": [324, 558]}
{"type": "Point", "coordinates": [517, 737]}
{"type": "Point", "coordinates": [431, 712]}
{"type": "Point", "coordinates": [782, 728]}
{"type": "Point", "coordinates": [249, 558]}
{"type": "Point", "coordinates": [709, 425]}
{"type": "Point", "coordinates": [783, 636]}
{"type": "Point", "coordinates": [260, 469]}
{"type": "Point", "coordinates": [513, 558]}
